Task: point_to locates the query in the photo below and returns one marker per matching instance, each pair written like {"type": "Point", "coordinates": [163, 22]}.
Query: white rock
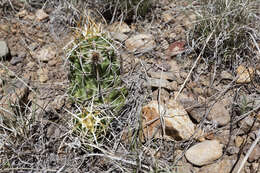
{"type": "Point", "coordinates": [178, 126]}
{"type": "Point", "coordinates": [4, 51]}
{"type": "Point", "coordinates": [120, 27]}
{"type": "Point", "coordinates": [244, 74]}
{"type": "Point", "coordinates": [140, 43]}
{"type": "Point", "coordinates": [41, 15]}
{"type": "Point", "coordinates": [45, 54]}
{"type": "Point", "coordinates": [204, 152]}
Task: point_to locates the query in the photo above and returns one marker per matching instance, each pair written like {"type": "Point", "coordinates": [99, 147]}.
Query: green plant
{"type": "Point", "coordinates": [94, 79]}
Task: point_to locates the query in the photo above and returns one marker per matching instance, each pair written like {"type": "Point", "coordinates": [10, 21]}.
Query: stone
{"type": "Point", "coordinates": [4, 50]}
{"type": "Point", "coordinates": [175, 48]}
{"type": "Point", "coordinates": [15, 60]}
{"type": "Point", "coordinates": [58, 102]}
{"type": "Point", "coordinates": [5, 27]}
{"type": "Point", "coordinates": [219, 114]}
{"type": "Point", "coordinates": [164, 75]}
{"type": "Point", "coordinates": [157, 83]}
{"type": "Point", "coordinates": [21, 14]}
{"type": "Point", "coordinates": [223, 166]}
{"type": "Point", "coordinates": [226, 75]}
{"type": "Point", "coordinates": [245, 75]}
{"type": "Point", "coordinates": [45, 54]}
{"type": "Point", "coordinates": [140, 43]}
{"type": "Point", "coordinates": [119, 36]}
{"type": "Point", "coordinates": [119, 27]}
{"type": "Point", "coordinates": [239, 141]}
{"type": "Point", "coordinates": [43, 75]}
{"type": "Point", "coordinates": [177, 124]}
{"type": "Point", "coordinates": [204, 152]}
{"type": "Point", "coordinates": [167, 16]}
{"type": "Point", "coordinates": [41, 15]}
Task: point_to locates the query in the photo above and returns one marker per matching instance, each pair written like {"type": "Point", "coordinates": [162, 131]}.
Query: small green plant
{"type": "Point", "coordinates": [94, 79]}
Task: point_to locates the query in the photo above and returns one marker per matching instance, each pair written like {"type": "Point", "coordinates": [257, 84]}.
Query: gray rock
{"type": "Point", "coordinates": [204, 153]}
{"type": "Point", "coordinates": [15, 60]}
{"type": "Point", "coordinates": [219, 114]}
{"type": "Point", "coordinates": [4, 50]}
{"type": "Point", "coordinates": [140, 43]}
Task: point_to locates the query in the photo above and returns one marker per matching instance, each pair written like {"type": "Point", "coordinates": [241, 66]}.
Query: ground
{"type": "Point", "coordinates": [168, 63]}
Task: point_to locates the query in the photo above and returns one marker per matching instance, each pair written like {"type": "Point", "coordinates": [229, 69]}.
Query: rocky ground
{"type": "Point", "coordinates": [193, 119]}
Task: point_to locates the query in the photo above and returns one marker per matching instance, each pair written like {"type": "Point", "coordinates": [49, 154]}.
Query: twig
{"type": "Point", "coordinates": [249, 152]}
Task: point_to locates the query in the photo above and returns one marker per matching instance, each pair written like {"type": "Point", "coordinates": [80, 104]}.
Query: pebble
{"type": "Point", "coordinates": [204, 152]}
{"type": "Point", "coordinates": [4, 50]}
{"type": "Point", "coordinates": [140, 43]}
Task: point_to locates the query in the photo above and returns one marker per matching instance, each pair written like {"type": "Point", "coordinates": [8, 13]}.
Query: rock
{"type": "Point", "coordinates": [164, 75]}
{"type": "Point", "coordinates": [232, 150]}
{"type": "Point", "coordinates": [4, 50]}
{"type": "Point", "coordinates": [43, 75]}
{"type": "Point", "coordinates": [164, 95]}
{"type": "Point", "coordinates": [15, 60]}
{"type": "Point", "coordinates": [255, 155]}
{"type": "Point", "coordinates": [140, 43]}
{"type": "Point", "coordinates": [204, 152]}
{"type": "Point", "coordinates": [224, 166]}
{"type": "Point", "coordinates": [45, 54]}
{"type": "Point", "coordinates": [178, 126]}
{"type": "Point", "coordinates": [167, 16]}
{"type": "Point", "coordinates": [119, 27]}
{"type": "Point", "coordinates": [157, 83]}
{"type": "Point", "coordinates": [5, 27]}
{"type": "Point", "coordinates": [119, 36]}
{"type": "Point", "coordinates": [226, 75]}
{"type": "Point", "coordinates": [58, 102]}
{"type": "Point", "coordinates": [244, 74]}
{"type": "Point", "coordinates": [219, 113]}
{"type": "Point", "coordinates": [21, 14]}
{"type": "Point", "coordinates": [239, 141]}
{"type": "Point", "coordinates": [175, 48]}
{"type": "Point", "coordinates": [41, 15]}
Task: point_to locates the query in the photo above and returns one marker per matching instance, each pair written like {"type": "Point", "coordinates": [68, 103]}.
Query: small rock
{"type": "Point", "coordinates": [30, 65]}
{"type": "Point", "coordinates": [204, 152]}
{"type": "Point", "coordinates": [4, 51]}
{"type": "Point", "coordinates": [163, 75]}
{"type": "Point", "coordinates": [58, 102]}
{"type": "Point", "coordinates": [224, 166]}
{"type": "Point", "coordinates": [119, 27]}
{"type": "Point", "coordinates": [239, 141]}
{"type": "Point", "coordinates": [157, 83]}
{"type": "Point", "coordinates": [21, 14]}
{"type": "Point", "coordinates": [244, 74]}
{"type": "Point", "coordinates": [167, 16]}
{"type": "Point", "coordinates": [219, 114]}
{"type": "Point", "coordinates": [175, 48]}
{"type": "Point", "coordinates": [119, 36]}
{"type": "Point", "coordinates": [41, 15]}
{"type": "Point", "coordinates": [226, 75]}
{"type": "Point", "coordinates": [15, 60]}
{"type": "Point", "coordinates": [33, 46]}
{"type": "Point", "coordinates": [141, 43]}
{"type": "Point", "coordinates": [178, 126]}
{"type": "Point", "coordinates": [5, 27]}
{"type": "Point", "coordinates": [232, 150]}
{"type": "Point", "coordinates": [164, 95]}
{"type": "Point", "coordinates": [45, 54]}
{"type": "Point", "coordinates": [43, 75]}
